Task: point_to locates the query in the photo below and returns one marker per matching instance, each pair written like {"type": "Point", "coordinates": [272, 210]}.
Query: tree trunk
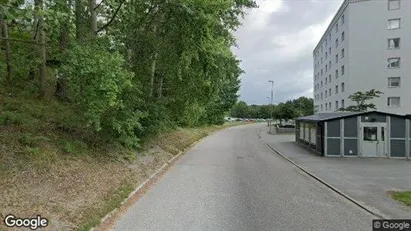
{"type": "Point", "coordinates": [153, 62]}
{"type": "Point", "coordinates": [61, 91]}
{"type": "Point", "coordinates": [93, 17]}
{"type": "Point", "coordinates": [42, 53]}
{"type": "Point", "coordinates": [5, 35]}
{"type": "Point", "coordinates": [79, 20]}
{"type": "Point", "coordinates": [160, 87]}
{"type": "Point", "coordinates": [153, 72]}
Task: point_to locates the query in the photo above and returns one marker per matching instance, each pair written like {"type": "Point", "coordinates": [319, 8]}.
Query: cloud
{"type": "Point", "coordinates": [276, 43]}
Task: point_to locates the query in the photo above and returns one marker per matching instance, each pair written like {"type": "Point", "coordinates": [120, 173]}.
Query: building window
{"type": "Point", "coordinates": [326, 55]}
{"type": "Point", "coordinates": [321, 83]}
{"type": "Point", "coordinates": [342, 87]}
{"type": "Point", "coordinates": [336, 105]}
{"type": "Point", "coordinates": [321, 95]}
{"type": "Point", "coordinates": [329, 65]}
{"type": "Point", "coordinates": [326, 42]}
{"type": "Point", "coordinates": [393, 101]}
{"type": "Point", "coordinates": [321, 107]}
{"type": "Point", "coordinates": [393, 4]}
{"type": "Point", "coordinates": [336, 43]}
{"type": "Point", "coordinates": [342, 19]}
{"type": "Point", "coordinates": [326, 67]}
{"type": "Point", "coordinates": [394, 43]}
{"type": "Point", "coordinates": [329, 92]}
{"type": "Point", "coordinates": [326, 80]}
{"type": "Point", "coordinates": [326, 93]}
{"type": "Point", "coordinates": [342, 70]}
{"type": "Point", "coordinates": [342, 53]}
{"type": "Point", "coordinates": [394, 82]}
{"type": "Point", "coordinates": [329, 105]}
{"type": "Point", "coordinates": [336, 89]}
{"type": "Point", "coordinates": [336, 58]}
{"type": "Point", "coordinates": [342, 103]}
{"type": "Point", "coordinates": [336, 27]}
{"type": "Point", "coordinates": [370, 133]}
{"type": "Point", "coordinates": [329, 37]}
{"type": "Point", "coordinates": [321, 60]}
{"type": "Point", "coordinates": [321, 72]}
{"type": "Point", "coordinates": [329, 50]}
{"type": "Point", "coordinates": [393, 63]}
{"type": "Point", "coordinates": [394, 24]}
{"type": "Point", "coordinates": [329, 78]}
{"type": "Point", "coordinates": [342, 36]}
{"type": "Point", "coordinates": [326, 106]}
{"type": "Point", "coordinates": [336, 74]}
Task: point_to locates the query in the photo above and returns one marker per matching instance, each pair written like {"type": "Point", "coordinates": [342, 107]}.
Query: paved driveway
{"type": "Point", "coordinates": [366, 180]}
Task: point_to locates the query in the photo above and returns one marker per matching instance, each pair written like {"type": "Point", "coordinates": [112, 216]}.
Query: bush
{"type": "Point", "coordinates": [75, 147]}
{"type": "Point", "coordinates": [192, 114]}
{"type": "Point", "coordinates": [102, 88]}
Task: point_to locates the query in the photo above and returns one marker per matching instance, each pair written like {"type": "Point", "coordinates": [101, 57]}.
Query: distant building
{"type": "Point", "coordinates": [366, 46]}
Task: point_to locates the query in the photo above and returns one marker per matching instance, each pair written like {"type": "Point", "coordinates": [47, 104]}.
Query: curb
{"type": "Point", "coordinates": [367, 209]}
{"type": "Point", "coordinates": [153, 176]}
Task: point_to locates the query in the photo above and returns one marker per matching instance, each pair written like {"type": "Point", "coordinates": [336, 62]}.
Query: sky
{"type": "Point", "coordinates": [276, 42]}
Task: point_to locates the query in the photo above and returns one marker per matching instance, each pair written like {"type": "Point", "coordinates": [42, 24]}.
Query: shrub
{"type": "Point", "coordinates": [102, 89]}
{"type": "Point", "coordinates": [75, 147]}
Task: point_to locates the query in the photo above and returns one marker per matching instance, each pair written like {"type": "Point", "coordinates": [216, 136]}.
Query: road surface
{"type": "Point", "coordinates": [231, 181]}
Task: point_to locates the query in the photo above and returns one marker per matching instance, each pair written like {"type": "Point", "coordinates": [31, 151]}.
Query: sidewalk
{"type": "Point", "coordinates": [366, 180]}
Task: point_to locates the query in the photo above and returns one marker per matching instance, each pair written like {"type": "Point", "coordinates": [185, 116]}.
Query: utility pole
{"type": "Point", "coordinates": [268, 119]}
{"type": "Point", "coordinates": [271, 102]}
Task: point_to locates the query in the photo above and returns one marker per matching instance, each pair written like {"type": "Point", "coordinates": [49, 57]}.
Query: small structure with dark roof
{"type": "Point", "coordinates": [360, 134]}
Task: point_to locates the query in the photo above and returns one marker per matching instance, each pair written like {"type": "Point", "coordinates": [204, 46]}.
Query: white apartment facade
{"type": "Point", "coordinates": [366, 46]}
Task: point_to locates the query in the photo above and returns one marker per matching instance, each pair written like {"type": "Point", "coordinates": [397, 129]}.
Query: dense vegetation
{"type": "Point", "coordinates": [284, 111]}
{"type": "Point", "coordinates": [124, 69]}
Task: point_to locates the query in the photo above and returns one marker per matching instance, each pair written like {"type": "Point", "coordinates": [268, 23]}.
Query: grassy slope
{"type": "Point", "coordinates": [50, 164]}
{"type": "Point", "coordinates": [404, 197]}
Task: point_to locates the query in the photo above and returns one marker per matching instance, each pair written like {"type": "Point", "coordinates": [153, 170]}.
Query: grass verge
{"type": "Point", "coordinates": [404, 197]}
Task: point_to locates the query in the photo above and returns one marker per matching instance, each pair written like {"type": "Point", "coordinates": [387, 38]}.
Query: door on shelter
{"type": "Point", "coordinates": [373, 141]}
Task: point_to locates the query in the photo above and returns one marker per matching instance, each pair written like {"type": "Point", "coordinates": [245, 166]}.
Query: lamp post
{"type": "Point", "coordinates": [271, 102]}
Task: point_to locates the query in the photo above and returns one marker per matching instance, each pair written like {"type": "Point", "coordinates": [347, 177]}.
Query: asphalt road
{"type": "Point", "coordinates": [231, 181]}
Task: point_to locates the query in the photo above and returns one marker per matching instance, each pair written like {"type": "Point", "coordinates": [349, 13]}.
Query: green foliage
{"type": "Point", "coordinates": [192, 114]}
{"type": "Point", "coordinates": [75, 147]}
{"type": "Point", "coordinates": [361, 99]}
{"type": "Point", "coordinates": [153, 65]}
{"type": "Point", "coordinates": [100, 86]}
{"type": "Point", "coordinates": [284, 111]}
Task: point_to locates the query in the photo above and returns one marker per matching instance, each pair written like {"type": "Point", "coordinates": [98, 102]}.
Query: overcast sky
{"type": "Point", "coordinates": [276, 42]}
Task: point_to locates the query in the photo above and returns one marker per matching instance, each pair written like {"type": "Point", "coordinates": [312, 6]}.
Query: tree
{"type": "Point", "coordinates": [5, 34]}
{"type": "Point", "coordinates": [42, 47]}
{"type": "Point", "coordinates": [130, 68]}
{"type": "Point", "coordinates": [240, 110]}
{"type": "Point", "coordinates": [361, 98]}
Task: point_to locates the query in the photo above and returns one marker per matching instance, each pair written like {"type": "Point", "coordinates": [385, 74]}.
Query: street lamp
{"type": "Point", "coordinates": [271, 103]}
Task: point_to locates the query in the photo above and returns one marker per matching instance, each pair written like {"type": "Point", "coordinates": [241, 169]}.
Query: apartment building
{"type": "Point", "coordinates": [366, 46]}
